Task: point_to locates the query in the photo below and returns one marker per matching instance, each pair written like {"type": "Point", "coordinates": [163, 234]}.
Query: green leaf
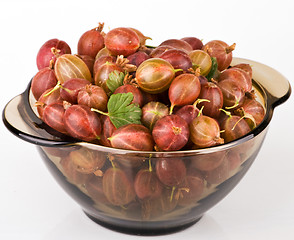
{"type": "Point", "coordinates": [121, 111]}
{"type": "Point", "coordinates": [213, 69]}
{"type": "Point", "coordinates": [115, 80]}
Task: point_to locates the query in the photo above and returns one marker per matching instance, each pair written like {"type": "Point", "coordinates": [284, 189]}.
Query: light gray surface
{"type": "Point", "coordinates": [33, 206]}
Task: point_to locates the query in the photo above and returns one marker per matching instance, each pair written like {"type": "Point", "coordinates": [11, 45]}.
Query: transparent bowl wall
{"type": "Point", "coordinates": [213, 172]}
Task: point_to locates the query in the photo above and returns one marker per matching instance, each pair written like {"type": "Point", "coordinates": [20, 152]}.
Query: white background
{"type": "Point", "coordinates": [33, 206]}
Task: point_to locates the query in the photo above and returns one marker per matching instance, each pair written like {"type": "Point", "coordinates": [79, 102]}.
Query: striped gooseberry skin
{"type": "Point", "coordinates": [46, 99]}
{"type": "Point", "coordinates": [151, 112]}
{"type": "Point", "coordinates": [147, 185]}
{"type": "Point", "coordinates": [233, 93]}
{"type": "Point", "coordinates": [156, 52]}
{"type": "Point", "coordinates": [246, 67]}
{"type": "Point", "coordinates": [122, 41]}
{"type": "Point", "coordinates": [254, 108]}
{"type": "Point", "coordinates": [94, 188]}
{"type": "Point", "coordinates": [53, 115]}
{"type": "Point", "coordinates": [155, 75]}
{"type": "Point", "coordinates": [205, 132]}
{"type": "Point", "coordinates": [187, 112]}
{"type": "Point", "coordinates": [178, 44]}
{"type": "Point", "coordinates": [72, 175]}
{"type": "Point", "coordinates": [171, 133]}
{"type": "Point", "coordinates": [194, 181]}
{"type": "Point", "coordinates": [132, 137]}
{"type": "Point", "coordinates": [42, 81]}
{"type": "Point", "coordinates": [45, 54]}
{"type": "Point", "coordinates": [178, 59]}
{"type": "Point", "coordinates": [117, 187]}
{"type": "Point", "coordinates": [234, 127]}
{"type": "Point", "coordinates": [69, 66]}
{"type": "Point", "coordinates": [107, 130]}
{"type": "Point", "coordinates": [93, 96]}
{"type": "Point", "coordinates": [171, 171]}
{"type": "Point", "coordinates": [70, 89]}
{"type": "Point", "coordinates": [100, 61]}
{"type": "Point", "coordinates": [137, 58]}
{"type": "Point", "coordinates": [87, 161]}
{"type": "Point", "coordinates": [80, 122]}
{"type": "Point", "coordinates": [207, 162]}
{"type": "Point", "coordinates": [138, 97]}
{"type": "Point", "coordinates": [195, 43]}
{"type": "Point", "coordinates": [202, 60]}
{"type": "Point", "coordinates": [184, 89]}
{"type": "Point", "coordinates": [88, 60]}
{"type": "Point", "coordinates": [102, 74]}
{"type": "Point", "coordinates": [211, 92]}
{"type": "Point", "coordinates": [221, 51]}
{"type": "Point", "coordinates": [241, 77]}
{"type": "Point", "coordinates": [91, 42]}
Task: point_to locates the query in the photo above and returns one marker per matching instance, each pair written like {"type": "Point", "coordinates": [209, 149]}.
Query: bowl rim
{"type": "Point", "coordinates": [270, 103]}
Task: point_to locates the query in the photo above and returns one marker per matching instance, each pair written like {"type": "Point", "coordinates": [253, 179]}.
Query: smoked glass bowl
{"type": "Point", "coordinates": [211, 172]}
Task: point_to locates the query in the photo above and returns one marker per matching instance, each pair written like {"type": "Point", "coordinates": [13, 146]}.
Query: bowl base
{"type": "Point", "coordinates": [143, 231]}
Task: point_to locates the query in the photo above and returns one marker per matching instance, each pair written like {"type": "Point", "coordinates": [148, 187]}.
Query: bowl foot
{"type": "Point", "coordinates": [146, 229]}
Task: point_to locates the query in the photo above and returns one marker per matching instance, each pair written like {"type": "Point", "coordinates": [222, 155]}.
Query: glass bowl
{"type": "Point", "coordinates": [101, 179]}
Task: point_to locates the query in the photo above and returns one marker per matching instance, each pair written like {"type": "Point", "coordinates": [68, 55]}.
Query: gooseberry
{"type": "Point", "coordinates": [155, 75]}
{"type": "Point", "coordinates": [91, 42]}
{"type": "Point", "coordinates": [122, 41]}
{"type": "Point", "coordinates": [48, 50]}
{"type": "Point", "coordinates": [170, 133]}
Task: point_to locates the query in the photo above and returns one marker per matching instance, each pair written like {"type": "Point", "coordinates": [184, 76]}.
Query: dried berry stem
{"type": "Point", "coordinates": [100, 27]}
{"type": "Point", "coordinates": [231, 48]}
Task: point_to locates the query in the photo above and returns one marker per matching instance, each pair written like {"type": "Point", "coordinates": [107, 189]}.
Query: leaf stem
{"type": "Point", "coordinates": [98, 111]}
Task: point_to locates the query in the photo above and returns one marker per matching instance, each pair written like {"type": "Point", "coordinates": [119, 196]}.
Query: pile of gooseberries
{"type": "Point", "coordinates": [119, 92]}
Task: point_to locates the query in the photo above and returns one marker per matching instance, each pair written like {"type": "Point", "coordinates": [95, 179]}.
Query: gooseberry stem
{"type": "Point", "coordinates": [172, 194]}
{"type": "Point", "coordinates": [235, 105]}
{"type": "Point", "coordinates": [226, 112]}
{"type": "Point", "coordinates": [150, 164]}
{"type": "Point", "coordinates": [199, 100]}
{"type": "Point", "coordinates": [178, 70]}
{"type": "Point", "coordinates": [200, 111]}
{"type": "Point", "coordinates": [111, 161]}
{"type": "Point", "coordinates": [171, 109]}
{"type": "Point", "coordinates": [237, 123]}
{"type": "Point", "coordinates": [57, 86]}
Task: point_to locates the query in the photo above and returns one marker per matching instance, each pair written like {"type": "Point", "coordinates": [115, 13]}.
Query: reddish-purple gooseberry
{"type": "Point", "coordinates": [171, 133]}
